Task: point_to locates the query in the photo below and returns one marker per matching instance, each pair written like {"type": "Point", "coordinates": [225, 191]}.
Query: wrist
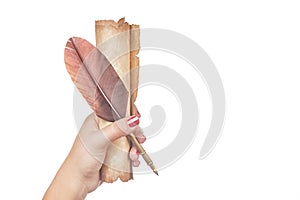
{"type": "Point", "coordinates": [66, 184]}
{"type": "Point", "coordinates": [84, 165]}
{"type": "Point", "coordinates": [70, 173]}
{"type": "Point", "coordinates": [73, 179]}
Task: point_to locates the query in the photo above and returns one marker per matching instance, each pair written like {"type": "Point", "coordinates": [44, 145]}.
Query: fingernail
{"type": "Point", "coordinates": [137, 152]}
{"type": "Point", "coordinates": [133, 121]}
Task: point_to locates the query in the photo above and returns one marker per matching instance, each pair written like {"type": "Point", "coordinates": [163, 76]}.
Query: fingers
{"type": "Point", "coordinates": [140, 135]}
{"type": "Point", "coordinates": [134, 156]}
{"type": "Point", "coordinates": [139, 132]}
{"type": "Point", "coordinates": [124, 127]}
{"type": "Point", "coordinates": [114, 131]}
{"type": "Point", "coordinates": [97, 140]}
{"type": "Point", "coordinates": [121, 128]}
{"type": "Point", "coordinates": [136, 163]}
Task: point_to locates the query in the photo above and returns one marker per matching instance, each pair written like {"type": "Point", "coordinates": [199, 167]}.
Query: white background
{"type": "Point", "coordinates": [255, 46]}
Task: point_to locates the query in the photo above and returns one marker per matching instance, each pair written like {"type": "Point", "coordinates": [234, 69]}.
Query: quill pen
{"type": "Point", "coordinates": [96, 79]}
{"type": "Point", "coordinates": [99, 84]}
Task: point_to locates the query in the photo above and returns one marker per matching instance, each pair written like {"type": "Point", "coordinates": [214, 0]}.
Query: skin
{"type": "Point", "coordinates": [78, 177]}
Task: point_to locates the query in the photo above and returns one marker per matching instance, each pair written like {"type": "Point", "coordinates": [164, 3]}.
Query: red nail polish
{"type": "Point", "coordinates": [133, 121]}
{"type": "Point", "coordinates": [137, 152]}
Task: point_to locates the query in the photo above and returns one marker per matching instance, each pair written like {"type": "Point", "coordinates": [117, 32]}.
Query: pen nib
{"type": "Point", "coordinates": [155, 171]}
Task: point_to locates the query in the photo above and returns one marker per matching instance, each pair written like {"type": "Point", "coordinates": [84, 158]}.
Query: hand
{"type": "Point", "coordinates": [79, 174]}
{"type": "Point", "coordinates": [96, 142]}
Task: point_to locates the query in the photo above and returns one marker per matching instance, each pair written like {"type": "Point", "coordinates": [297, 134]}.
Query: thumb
{"type": "Point", "coordinates": [121, 128]}
{"type": "Point", "coordinates": [97, 140]}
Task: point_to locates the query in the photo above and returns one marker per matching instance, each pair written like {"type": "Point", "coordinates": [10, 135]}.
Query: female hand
{"type": "Point", "coordinates": [79, 174]}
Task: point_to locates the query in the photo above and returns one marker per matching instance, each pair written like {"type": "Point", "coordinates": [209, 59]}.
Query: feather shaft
{"type": "Point", "coordinates": [95, 81]}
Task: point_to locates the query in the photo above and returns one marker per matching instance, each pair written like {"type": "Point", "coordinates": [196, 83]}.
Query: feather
{"type": "Point", "coordinates": [96, 79]}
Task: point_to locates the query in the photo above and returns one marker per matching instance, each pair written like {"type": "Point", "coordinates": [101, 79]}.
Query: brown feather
{"type": "Point", "coordinates": [96, 79]}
